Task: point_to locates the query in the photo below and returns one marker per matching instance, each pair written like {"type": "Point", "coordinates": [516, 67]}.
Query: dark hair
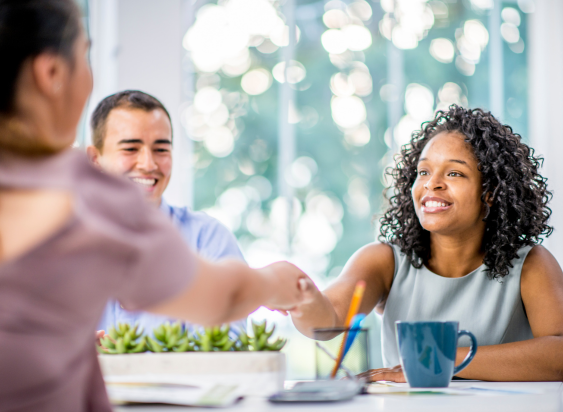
{"type": "Point", "coordinates": [509, 171]}
{"type": "Point", "coordinates": [133, 99]}
{"type": "Point", "coordinates": [29, 28]}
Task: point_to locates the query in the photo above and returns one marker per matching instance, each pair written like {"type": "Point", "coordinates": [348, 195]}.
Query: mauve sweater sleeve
{"type": "Point", "coordinates": [161, 264]}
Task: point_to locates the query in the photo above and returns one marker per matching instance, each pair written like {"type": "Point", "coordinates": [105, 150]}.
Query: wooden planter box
{"type": "Point", "coordinates": [257, 373]}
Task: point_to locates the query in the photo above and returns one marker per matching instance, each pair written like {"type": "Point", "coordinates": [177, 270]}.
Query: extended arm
{"type": "Point", "coordinates": [374, 264]}
{"type": "Point", "coordinates": [230, 290]}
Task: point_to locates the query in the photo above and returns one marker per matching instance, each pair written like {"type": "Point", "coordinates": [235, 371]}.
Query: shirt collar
{"type": "Point", "coordinates": [165, 207]}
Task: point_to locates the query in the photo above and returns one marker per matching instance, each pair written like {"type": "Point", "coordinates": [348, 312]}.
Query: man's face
{"type": "Point", "coordinates": [138, 145]}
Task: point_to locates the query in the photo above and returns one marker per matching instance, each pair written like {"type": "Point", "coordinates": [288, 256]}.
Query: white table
{"type": "Point", "coordinates": [546, 397]}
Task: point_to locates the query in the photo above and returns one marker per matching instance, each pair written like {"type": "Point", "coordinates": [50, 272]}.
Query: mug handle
{"type": "Point", "coordinates": [472, 351]}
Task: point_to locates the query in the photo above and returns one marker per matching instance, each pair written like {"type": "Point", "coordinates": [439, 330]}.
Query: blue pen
{"type": "Point", "coordinates": [354, 329]}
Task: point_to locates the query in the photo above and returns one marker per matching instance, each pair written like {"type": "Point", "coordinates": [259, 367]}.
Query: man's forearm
{"type": "Point", "coordinates": [538, 359]}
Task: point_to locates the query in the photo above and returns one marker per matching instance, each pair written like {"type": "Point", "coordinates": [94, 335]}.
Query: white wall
{"type": "Point", "coordinates": [137, 44]}
{"type": "Point", "coordinates": [546, 105]}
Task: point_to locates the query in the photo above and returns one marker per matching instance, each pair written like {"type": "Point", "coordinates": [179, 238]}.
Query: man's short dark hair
{"type": "Point", "coordinates": [129, 99]}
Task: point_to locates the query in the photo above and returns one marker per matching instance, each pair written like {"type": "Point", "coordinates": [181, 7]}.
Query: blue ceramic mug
{"type": "Point", "coordinates": [428, 352]}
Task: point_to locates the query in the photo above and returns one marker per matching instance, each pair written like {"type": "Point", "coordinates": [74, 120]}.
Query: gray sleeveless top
{"type": "Point", "coordinates": [493, 311]}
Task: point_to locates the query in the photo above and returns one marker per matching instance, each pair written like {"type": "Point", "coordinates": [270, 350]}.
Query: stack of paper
{"type": "Point", "coordinates": [171, 390]}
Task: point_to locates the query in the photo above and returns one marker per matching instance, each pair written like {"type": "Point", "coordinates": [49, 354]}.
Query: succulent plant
{"type": "Point", "coordinates": [214, 339]}
{"type": "Point", "coordinates": [123, 339]}
{"type": "Point", "coordinates": [260, 339]}
{"type": "Point", "coordinates": [170, 338]}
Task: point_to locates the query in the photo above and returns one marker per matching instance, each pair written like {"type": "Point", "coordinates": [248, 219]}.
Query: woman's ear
{"type": "Point", "coordinates": [489, 199]}
{"type": "Point", "coordinates": [50, 72]}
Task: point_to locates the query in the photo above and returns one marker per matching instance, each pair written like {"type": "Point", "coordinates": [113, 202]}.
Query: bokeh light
{"type": "Point", "coordinates": [301, 172]}
{"type": "Point", "coordinates": [510, 32]}
{"type": "Point", "coordinates": [295, 72]}
{"type": "Point", "coordinates": [219, 141]}
{"type": "Point", "coordinates": [476, 32]}
{"type": "Point", "coordinates": [340, 85]}
{"type": "Point", "coordinates": [357, 38]}
{"type": "Point", "coordinates": [256, 81]}
{"type": "Point", "coordinates": [359, 9]}
{"type": "Point", "coordinates": [482, 4]}
{"type": "Point", "coordinates": [358, 137]}
{"type": "Point", "coordinates": [419, 101]}
{"type": "Point", "coordinates": [348, 112]}
{"type": "Point", "coordinates": [451, 93]}
{"type": "Point", "coordinates": [333, 41]}
{"type": "Point", "coordinates": [442, 50]}
{"type": "Point", "coordinates": [335, 19]}
{"type": "Point", "coordinates": [464, 66]}
{"type": "Point", "coordinates": [511, 15]}
{"type": "Point", "coordinates": [222, 34]}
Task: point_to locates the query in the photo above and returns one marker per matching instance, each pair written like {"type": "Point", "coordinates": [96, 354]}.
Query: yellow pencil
{"type": "Point", "coordinates": [352, 311]}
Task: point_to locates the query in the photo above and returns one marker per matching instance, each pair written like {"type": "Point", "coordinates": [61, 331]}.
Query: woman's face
{"type": "Point", "coordinates": [447, 190]}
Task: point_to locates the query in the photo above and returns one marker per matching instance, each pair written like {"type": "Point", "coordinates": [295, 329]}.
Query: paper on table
{"type": "Point", "coordinates": [388, 388]}
{"type": "Point", "coordinates": [392, 388]}
{"type": "Point", "coordinates": [170, 390]}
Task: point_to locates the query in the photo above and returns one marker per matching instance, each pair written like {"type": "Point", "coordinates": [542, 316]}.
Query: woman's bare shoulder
{"type": "Point", "coordinates": [374, 261]}
{"type": "Point", "coordinates": [540, 262]}
{"type": "Point", "coordinates": [377, 253]}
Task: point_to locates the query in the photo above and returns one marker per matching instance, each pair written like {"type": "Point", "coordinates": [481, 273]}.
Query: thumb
{"type": "Point", "coordinates": [307, 287]}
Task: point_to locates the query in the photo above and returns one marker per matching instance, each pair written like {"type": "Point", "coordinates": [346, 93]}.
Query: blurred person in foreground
{"type": "Point", "coordinates": [71, 236]}
{"type": "Point", "coordinates": [132, 137]}
{"type": "Point", "coordinates": [460, 241]}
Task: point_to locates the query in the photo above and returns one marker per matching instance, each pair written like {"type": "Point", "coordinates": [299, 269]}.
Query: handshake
{"type": "Point", "coordinates": [289, 286]}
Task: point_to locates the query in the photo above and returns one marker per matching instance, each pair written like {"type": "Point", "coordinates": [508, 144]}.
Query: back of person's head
{"type": "Point", "coordinates": [27, 29]}
{"type": "Point", "coordinates": [127, 99]}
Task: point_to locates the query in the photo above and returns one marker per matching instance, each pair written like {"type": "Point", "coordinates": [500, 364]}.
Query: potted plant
{"type": "Point", "coordinates": [175, 354]}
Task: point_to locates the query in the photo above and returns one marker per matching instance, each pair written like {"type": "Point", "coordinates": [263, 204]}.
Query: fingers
{"type": "Point", "coordinates": [394, 374]}
{"type": "Point", "coordinates": [294, 288]}
{"type": "Point", "coordinates": [99, 335]}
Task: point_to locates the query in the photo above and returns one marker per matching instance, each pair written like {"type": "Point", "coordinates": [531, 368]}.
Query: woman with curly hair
{"type": "Point", "coordinates": [461, 241]}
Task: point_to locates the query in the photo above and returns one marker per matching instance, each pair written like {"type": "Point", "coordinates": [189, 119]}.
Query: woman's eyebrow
{"type": "Point", "coordinates": [463, 162]}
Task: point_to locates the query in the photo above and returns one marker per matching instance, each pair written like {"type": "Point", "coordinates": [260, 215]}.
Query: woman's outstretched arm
{"type": "Point", "coordinates": [374, 264]}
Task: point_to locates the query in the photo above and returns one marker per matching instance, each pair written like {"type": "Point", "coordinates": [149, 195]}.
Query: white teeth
{"type": "Point", "coordinates": [144, 182]}
{"type": "Point", "coordinates": [433, 203]}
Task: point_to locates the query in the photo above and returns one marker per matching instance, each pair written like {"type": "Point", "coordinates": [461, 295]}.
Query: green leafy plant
{"type": "Point", "coordinates": [214, 339]}
{"type": "Point", "coordinates": [123, 339]}
{"type": "Point", "coordinates": [175, 338]}
{"type": "Point", "coordinates": [260, 340]}
{"type": "Point", "coordinates": [170, 338]}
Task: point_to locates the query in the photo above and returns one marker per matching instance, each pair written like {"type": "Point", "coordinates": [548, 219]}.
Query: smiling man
{"type": "Point", "coordinates": [132, 137]}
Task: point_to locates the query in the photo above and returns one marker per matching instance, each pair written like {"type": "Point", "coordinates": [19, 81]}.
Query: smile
{"type": "Point", "coordinates": [144, 182]}
{"type": "Point", "coordinates": [434, 205]}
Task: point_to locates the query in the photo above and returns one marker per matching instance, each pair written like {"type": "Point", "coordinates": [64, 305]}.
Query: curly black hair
{"type": "Point", "coordinates": [519, 213]}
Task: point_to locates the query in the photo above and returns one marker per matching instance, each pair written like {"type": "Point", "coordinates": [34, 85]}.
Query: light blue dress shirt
{"type": "Point", "coordinates": [204, 234]}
